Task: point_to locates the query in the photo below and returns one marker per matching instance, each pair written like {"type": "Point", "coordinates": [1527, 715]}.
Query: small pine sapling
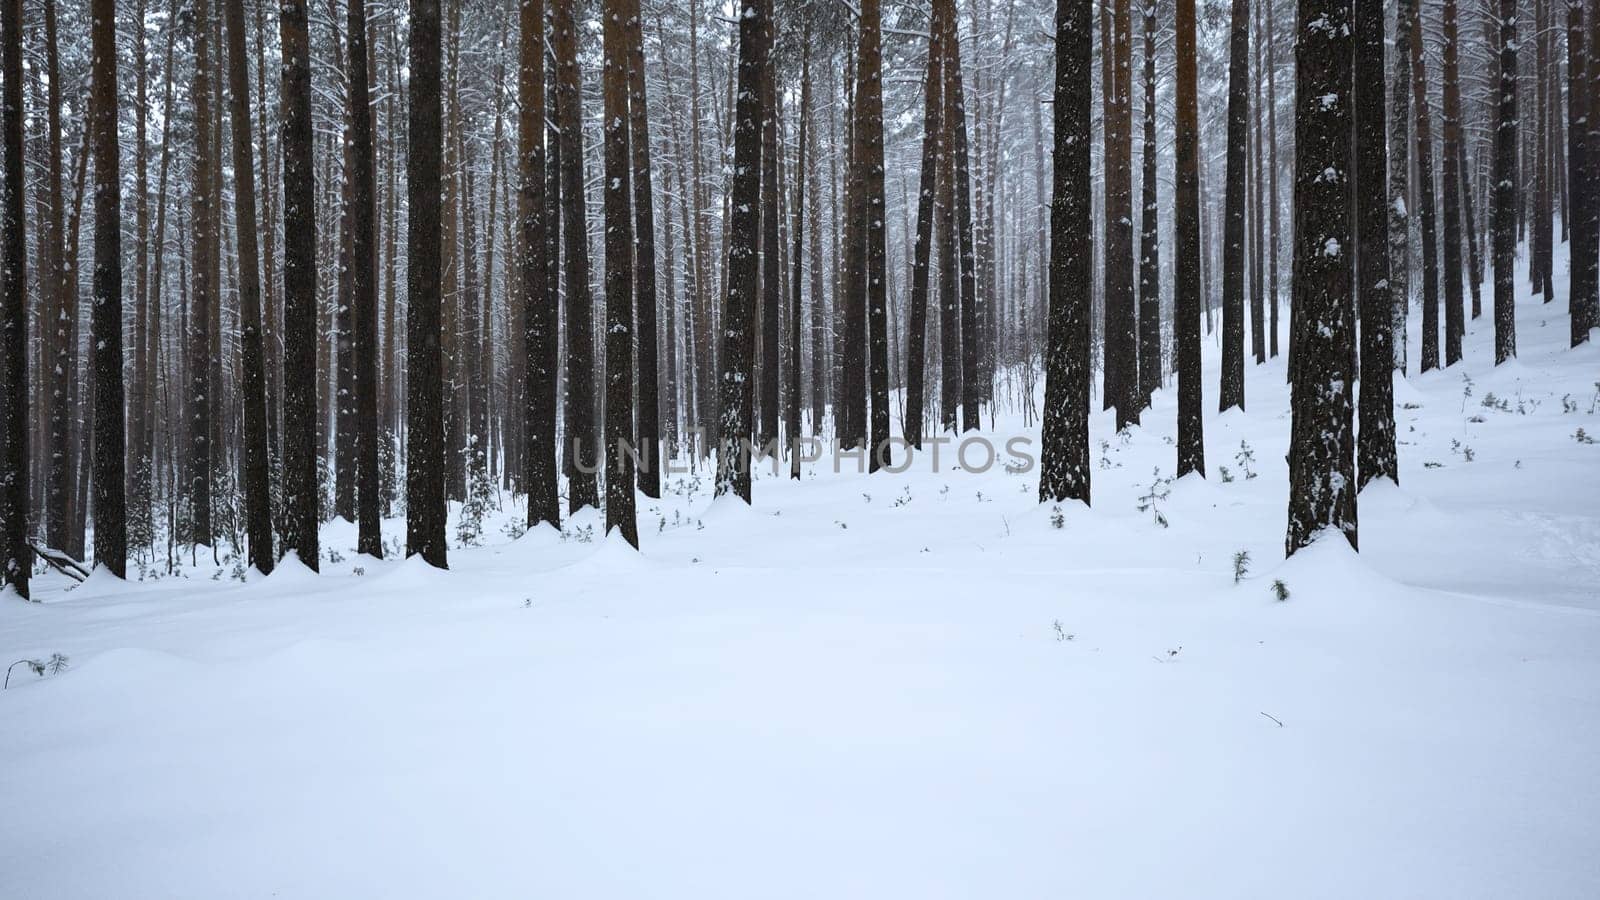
{"type": "Point", "coordinates": [1241, 565]}
{"type": "Point", "coordinates": [1280, 591]}
{"type": "Point", "coordinates": [1150, 501]}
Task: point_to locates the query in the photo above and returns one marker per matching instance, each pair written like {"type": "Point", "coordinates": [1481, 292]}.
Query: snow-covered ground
{"type": "Point", "coordinates": [899, 685]}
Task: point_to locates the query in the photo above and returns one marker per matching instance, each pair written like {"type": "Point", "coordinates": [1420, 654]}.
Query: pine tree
{"type": "Point", "coordinates": [364, 287]}
{"type": "Point", "coordinates": [1584, 269]}
{"type": "Point", "coordinates": [257, 483]}
{"type": "Point", "coordinates": [1064, 458]}
{"type": "Point", "coordinates": [618, 276]}
{"type": "Point", "coordinates": [1321, 443]}
{"type": "Point", "coordinates": [1425, 195]}
{"type": "Point", "coordinates": [1149, 232]}
{"type": "Point", "coordinates": [425, 435]}
{"type": "Point", "coordinates": [1505, 190]}
{"type": "Point", "coordinates": [16, 559]}
{"type": "Point", "coordinates": [1231, 392]}
{"type": "Point", "coordinates": [539, 300]}
{"type": "Point", "coordinates": [797, 237]}
{"type": "Point", "coordinates": [583, 443]}
{"type": "Point", "coordinates": [1454, 314]}
{"type": "Point", "coordinates": [1121, 332]}
{"type": "Point", "coordinates": [1186, 246]}
{"type": "Point", "coordinates": [1399, 179]}
{"type": "Point", "coordinates": [1376, 451]}
{"type": "Point", "coordinates": [869, 98]}
{"type": "Point", "coordinates": [743, 267]}
{"type": "Point", "coordinates": [201, 292]}
{"type": "Point", "coordinates": [932, 159]}
{"type": "Point", "coordinates": [644, 273]}
{"type": "Point", "coordinates": [111, 505]}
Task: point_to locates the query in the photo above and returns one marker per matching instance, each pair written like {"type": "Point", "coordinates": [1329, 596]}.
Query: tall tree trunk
{"type": "Point", "coordinates": [771, 275]}
{"type": "Point", "coordinates": [1121, 316]}
{"type": "Point", "coordinates": [619, 274]}
{"type": "Point", "coordinates": [364, 286]}
{"type": "Point", "coordinates": [736, 383]}
{"type": "Point", "coordinates": [870, 101]}
{"type": "Point", "coordinates": [1149, 231]}
{"type": "Point", "coordinates": [932, 159]}
{"type": "Point", "coordinates": [257, 485]}
{"type": "Point", "coordinates": [202, 404]}
{"type": "Point", "coordinates": [1584, 270]}
{"type": "Point", "coordinates": [1376, 452]}
{"type": "Point", "coordinates": [425, 447]}
{"type": "Point", "coordinates": [1186, 247]}
{"type": "Point", "coordinates": [797, 233]}
{"type": "Point", "coordinates": [644, 273]}
{"type": "Point", "coordinates": [1425, 198]}
{"type": "Point", "coordinates": [1454, 314]}
{"type": "Point", "coordinates": [1505, 190]}
{"type": "Point", "coordinates": [1231, 392]}
{"type": "Point", "coordinates": [1322, 490]}
{"type": "Point", "coordinates": [1399, 181]}
{"type": "Point", "coordinates": [539, 296]}
{"type": "Point", "coordinates": [956, 122]}
{"type": "Point", "coordinates": [300, 490]}
{"type": "Point", "coordinates": [16, 560]}
{"type": "Point", "coordinates": [583, 438]}
{"type": "Point", "coordinates": [1064, 452]}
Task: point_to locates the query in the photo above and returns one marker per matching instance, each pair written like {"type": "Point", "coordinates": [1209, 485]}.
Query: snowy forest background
{"type": "Point", "coordinates": [1082, 336]}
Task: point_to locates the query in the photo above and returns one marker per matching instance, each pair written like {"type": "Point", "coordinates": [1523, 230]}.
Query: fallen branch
{"type": "Point", "coordinates": [61, 562]}
{"type": "Point", "coordinates": [1273, 718]}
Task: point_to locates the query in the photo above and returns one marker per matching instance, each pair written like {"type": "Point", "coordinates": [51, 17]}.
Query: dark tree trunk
{"type": "Point", "coordinates": [956, 122]}
{"type": "Point", "coordinates": [869, 98]}
{"type": "Point", "coordinates": [1454, 314]}
{"type": "Point", "coordinates": [425, 448]}
{"type": "Point", "coordinates": [1399, 180]}
{"type": "Point", "coordinates": [932, 159]}
{"type": "Point", "coordinates": [1376, 452]}
{"type": "Point", "coordinates": [1149, 232]}
{"type": "Point", "coordinates": [737, 383]}
{"type": "Point", "coordinates": [1425, 198]}
{"type": "Point", "coordinates": [1121, 317]}
{"type": "Point", "coordinates": [619, 274]}
{"type": "Point", "coordinates": [16, 560]}
{"type": "Point", "coordinates": [111, 503]}
{"type": "Point", "coordinates": [364, 287]}
{"type": "Point", "coordinates": [771, 269]}
{"type": "Point", "coordinates": [1505, 190]}
{"type": "Point", "coordinates": [1186, 247]}
{"type": "Point", "coordinates": [797, 231]}
{"type": "Point", "coordinates": [300, 490]}
{"type": "Point", "coordinates": [252, 387]}
{"type": "Point", "coordinates": [1584, 271]}
{"type": "Point", "coordinates": [1231, 390]}
{"type": "Point", "coordinates": [644, 273]}
{"type": "Point", "coordinates": [1064, 451]}
{"type": "Point", "coordinates": [539, 300]}
{"type": "Point", "coordinates": [201, 401]}
{"type": "Point", "coordinates": [583, 444]}
{"type": "Point", "coordinates": [1321, 443]}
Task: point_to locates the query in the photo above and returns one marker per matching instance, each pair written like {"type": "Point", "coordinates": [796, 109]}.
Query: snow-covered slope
{"type": "Point", "coordinates": [900, 685]}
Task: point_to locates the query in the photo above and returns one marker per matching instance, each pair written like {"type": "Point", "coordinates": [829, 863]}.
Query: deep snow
{"type": "Point", "coordinates": [878, 686]}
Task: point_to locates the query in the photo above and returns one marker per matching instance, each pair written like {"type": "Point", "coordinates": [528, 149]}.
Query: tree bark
{"type": "Point", "coordinates": [1186, 246]}
{"type": "Point", "coordinates": [1064, 452]}
{"type": "Point", "coordinates": [1376, 451]}
{"type": "Point", "coordinates": [1321, 443]}
{"type": "Point", "coordinates": [425, 435]}
{"type": "Point", "coordinates": [257, 485]}
{"type": "Point", "coordinates": [1231, 391]}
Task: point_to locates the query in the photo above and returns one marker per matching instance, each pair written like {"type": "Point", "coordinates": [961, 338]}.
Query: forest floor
{"type": "Point", "coordinates": [898, 685]}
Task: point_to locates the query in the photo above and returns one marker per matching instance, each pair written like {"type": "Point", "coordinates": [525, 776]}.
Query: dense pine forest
{"type": "Point", "coordinates": [364, 262]}
{"type": "Point", "coordinates": [799, 448]}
